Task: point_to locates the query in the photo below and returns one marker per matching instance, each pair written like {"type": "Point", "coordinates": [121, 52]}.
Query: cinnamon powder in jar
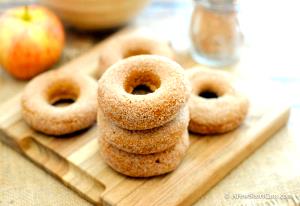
{"type": "Point", "coordinates": [215, 32]}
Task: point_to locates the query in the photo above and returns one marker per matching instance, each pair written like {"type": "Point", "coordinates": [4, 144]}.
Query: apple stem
{"type": "Point", "coordinates": [26, 15]}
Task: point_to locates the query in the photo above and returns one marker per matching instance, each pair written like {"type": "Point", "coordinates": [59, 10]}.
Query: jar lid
{"type": "Point", "coordinates": [220, 5]}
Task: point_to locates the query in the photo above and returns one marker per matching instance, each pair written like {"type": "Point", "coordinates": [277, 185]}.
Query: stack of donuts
{"type": "Point", "coordinates": [143, 135]}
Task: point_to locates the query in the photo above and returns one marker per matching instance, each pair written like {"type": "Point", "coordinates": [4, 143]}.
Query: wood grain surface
{"type": "Point", "coordinates": [75, 159]}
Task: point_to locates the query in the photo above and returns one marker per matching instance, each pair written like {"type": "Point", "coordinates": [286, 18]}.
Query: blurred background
{"type": "Point", "coordinates": [270, 53]}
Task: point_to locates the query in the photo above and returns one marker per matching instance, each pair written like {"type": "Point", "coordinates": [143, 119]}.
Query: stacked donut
{"type": "Point", "coordinates": [143, 135]}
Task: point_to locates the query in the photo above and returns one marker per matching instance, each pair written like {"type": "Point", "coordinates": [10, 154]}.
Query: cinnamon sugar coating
{"type": "Point", "coordinates": [164, 77]}
{"type": "Point", "coordinates": [144, 141]}
{"type": "Point", "coordinates": [42, 92]}
{"type": "Point", "coordinates": [130, 45]}
{"type": "Point", "coordinates": [139, 165]}
{"type": "Point", "coordinates": [220, 114]}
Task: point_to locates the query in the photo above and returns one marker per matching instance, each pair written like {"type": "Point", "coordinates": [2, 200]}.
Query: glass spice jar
{"type": "Point", "coordinates": [215, 32]}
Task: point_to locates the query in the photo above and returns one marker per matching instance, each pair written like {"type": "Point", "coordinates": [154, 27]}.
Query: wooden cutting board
{"type": "Point", "coordinates": [75, 159]}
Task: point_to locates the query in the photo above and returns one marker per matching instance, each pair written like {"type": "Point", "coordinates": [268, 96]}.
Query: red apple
{"type": "Point", "coordinates": [31, 40]}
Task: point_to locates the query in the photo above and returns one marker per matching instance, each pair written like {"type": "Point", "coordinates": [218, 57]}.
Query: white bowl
{"type": "Point", "coordinates": [95, 14]}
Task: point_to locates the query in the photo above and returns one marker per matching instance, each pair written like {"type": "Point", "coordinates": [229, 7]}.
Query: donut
{"type": "Point", "coordinates": [139, 165]}
{"type": "Point", "coordinates": [168, 89]}
{"type": "Point", "coordinates": [144, 141]}
{"type": "Point", "coordinates": [43, 92]}
{"type": "Point", "coordinates": [215, 105]}
{"type": "Point", "coordinates": [130, 45]}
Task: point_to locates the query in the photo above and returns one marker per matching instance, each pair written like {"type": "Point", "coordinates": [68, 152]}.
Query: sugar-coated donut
{"type": "Point", "coordinates": [139, 165]}
{"type": "Point", "coordinates": [45, 90]}
{"type": "Point", "coordinates": [130, 45]}
{"type": "Point", "coordinates": [215, 105]}
{"type": "Point", "coordinates": [164, 77]}
{"type": "Point", "coordinates": [144, 141]}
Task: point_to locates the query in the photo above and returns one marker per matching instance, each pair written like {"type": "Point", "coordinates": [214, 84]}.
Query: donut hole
{"type": "Point", "coordinates": [211, 90]}
{"type": "Point", "coordinates": [141, 83]}
{"type": "Point", "coordinates": [141, 90]}
{"type": "Point", "coordinates": [207, 94]}
{"type": "Point", "coordinates": [62, 94]}
{"type": "Point", "coordinates": [63, 102]}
